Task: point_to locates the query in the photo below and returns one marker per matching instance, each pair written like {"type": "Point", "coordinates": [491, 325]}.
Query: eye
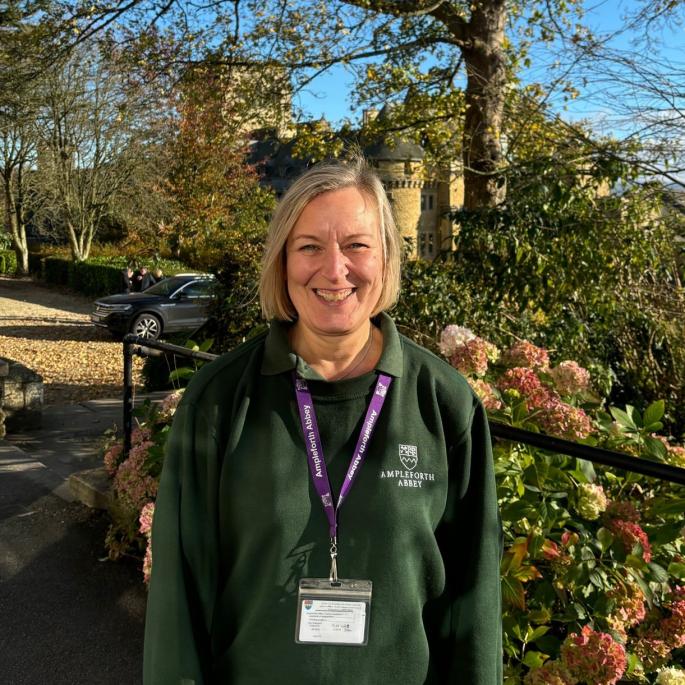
{"type": "Point", "coordinates": [309, 247]}
{"type": "Point", "coordinates": [357, 246]}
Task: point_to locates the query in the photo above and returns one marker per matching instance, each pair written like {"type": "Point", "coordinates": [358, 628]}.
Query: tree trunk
{"type": "Point", "coordinates": [484, 185]}
{"type": "Point", "coordinates": [16, 227]}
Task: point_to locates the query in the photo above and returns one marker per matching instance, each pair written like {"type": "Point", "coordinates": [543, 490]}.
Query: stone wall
{"type": "Point", "coordinates": [21, 396]}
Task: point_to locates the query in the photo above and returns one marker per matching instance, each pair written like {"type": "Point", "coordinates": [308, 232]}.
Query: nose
{"type": "Point", "coordinates": [334, 266]}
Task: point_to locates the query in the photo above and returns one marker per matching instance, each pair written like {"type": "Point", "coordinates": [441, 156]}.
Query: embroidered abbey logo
{"type": "Point", "coordinates": [409, 456]}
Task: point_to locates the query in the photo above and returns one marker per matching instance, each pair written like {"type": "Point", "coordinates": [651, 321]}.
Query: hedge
{"type": "Point", "coordinates": [94, 277]}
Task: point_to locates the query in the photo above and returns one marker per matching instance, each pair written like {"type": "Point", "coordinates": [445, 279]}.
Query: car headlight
{"type": "Point", "coordinates": [114, 307]}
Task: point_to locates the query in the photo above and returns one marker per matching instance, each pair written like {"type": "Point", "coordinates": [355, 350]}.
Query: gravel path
{"type": "Point", "coordinates": [48, 329]}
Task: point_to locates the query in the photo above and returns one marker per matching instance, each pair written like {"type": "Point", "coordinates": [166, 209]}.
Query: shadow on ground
{"type": "Point", "coordinates": [69, 617]}
{"type": "Point", "coordinates": [82, 332]}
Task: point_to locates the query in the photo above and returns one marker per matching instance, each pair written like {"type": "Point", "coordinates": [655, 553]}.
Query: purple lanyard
{"type": "Point", "coordinates": [312, 440]}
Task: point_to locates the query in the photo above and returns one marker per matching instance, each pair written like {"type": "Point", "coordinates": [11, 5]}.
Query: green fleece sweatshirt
{"type": "Point", "coordinates": [238, 523]}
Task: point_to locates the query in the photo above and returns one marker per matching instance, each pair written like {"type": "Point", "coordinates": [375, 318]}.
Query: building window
{"type": "Point", "coordinates": [430, 243]}
{"type": "Point", "coordinates": [407, 167]}
{"type": "Point", "coordinates": [422, 244]}
{"type": "Point", "coordinates": [423, 202]}
{"type": "Point", "coordinates": [430, 202]}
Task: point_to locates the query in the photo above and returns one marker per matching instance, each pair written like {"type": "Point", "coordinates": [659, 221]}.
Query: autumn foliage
{"type": "Point", "coordinates": [215, 195]}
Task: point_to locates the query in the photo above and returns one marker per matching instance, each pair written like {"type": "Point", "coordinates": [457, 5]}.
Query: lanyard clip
{"type": "Point", "coordinates": [333, 576]}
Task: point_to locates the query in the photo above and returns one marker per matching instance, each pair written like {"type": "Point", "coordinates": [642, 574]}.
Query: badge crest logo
{"type": "Point", "coordinates": [308, 604]}
{"type": "Point", "coordinates": [300, 384]}
{"type": "Point", "coordinates": [409, 456]}
{"type": "Point", "coordinates": [326, 500]}
{"type": "Point", "coordinates": [381, 390]}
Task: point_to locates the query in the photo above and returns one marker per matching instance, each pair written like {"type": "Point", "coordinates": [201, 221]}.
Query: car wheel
{"type": "Point", "coordinates": [147, 326]}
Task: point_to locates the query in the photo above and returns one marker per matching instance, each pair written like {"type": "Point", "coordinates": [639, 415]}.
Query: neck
{"type": "Point", "coordinates": [338, 356]}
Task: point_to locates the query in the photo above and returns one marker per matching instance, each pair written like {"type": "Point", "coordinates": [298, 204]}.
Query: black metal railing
{"type": "Point", "coordinates": [135, 345]}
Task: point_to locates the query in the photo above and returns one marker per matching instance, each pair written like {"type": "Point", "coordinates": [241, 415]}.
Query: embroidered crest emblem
{"type": "Point", "coordinates": [381, 390]}
{"type": "Point", "coordinates": [409, 456]}
{"type": "Point", "coordinates": [326, 500]}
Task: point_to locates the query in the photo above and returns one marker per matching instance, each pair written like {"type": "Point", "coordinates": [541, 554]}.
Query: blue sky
{"type": "Point", "coordinates": [329, 95]}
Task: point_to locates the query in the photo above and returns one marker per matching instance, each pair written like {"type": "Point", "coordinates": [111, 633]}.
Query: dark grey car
{"type": "Point", "coordinates": [178, 303]}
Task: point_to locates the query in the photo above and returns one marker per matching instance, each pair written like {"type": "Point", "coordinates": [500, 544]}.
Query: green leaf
{"type": "Point", "coordinates": [677, 569]}
{"type": "Point", "coordinates": [623, 419]}
{"type": "Point", "coordinates": [537, 633]}
{"type": "Point", "coordinates": [513, 593]}
{"type": "Point", "coordinates": [205, 345]}
{"type": "Point", "coordinates": [534, 659]}
{"type": "Point", "coordinates": [654, 412]}
{"type": "Point", "coordinates": [605, 539]}
{"type": "Point", "coordinates": [184, 372]}
{"type": "Point", "coordinates": [659, 573]}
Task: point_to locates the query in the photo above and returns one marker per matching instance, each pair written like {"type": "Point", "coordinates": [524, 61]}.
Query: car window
{"type": "Point", "coordinates": [198, 289]}
{"type": "Point", "coordinates": [166, 287]}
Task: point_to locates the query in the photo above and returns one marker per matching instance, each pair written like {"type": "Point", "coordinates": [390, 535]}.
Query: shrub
{"type": "Point", "coordinates": [8, 262]}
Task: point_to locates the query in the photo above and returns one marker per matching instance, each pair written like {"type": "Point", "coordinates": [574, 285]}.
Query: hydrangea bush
{"type": "Point", "coordinates": [135, 480]}
{"type": "Point", "coordinates": [593, 572]}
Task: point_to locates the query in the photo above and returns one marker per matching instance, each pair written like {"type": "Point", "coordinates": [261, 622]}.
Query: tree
{"type": "Point", "coordinates": [18, 108]}
{"type": "Point", "coordinates": [215, 196]}
{"type": "Point", "coordinates": [95, 137]}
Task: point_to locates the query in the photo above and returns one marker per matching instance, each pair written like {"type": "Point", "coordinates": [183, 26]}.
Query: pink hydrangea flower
{"type": "Point", "coordinates": [570, 378]}
{"type": "Point", "coordinates": [651, 650]}
{"type": "Point", "coordinates": [147, 562]}
{"type": "Point", "coordinates": [593, 657]}
{"type": "Point", "coordinates": [132, 482]}
{"type": "Point", "coordinates": [630, 607]}
{"type": "Point", "coordinates": [629, 534]}
{"type": "Point", "coordinates": [473, 356]}
{"type": "Point", "coordinates": [551, 673]}
{"type": "Point", "coordinates": [526, 354]}
{"type": "Point", "coordinates": [112, 456]}
{"type": "Point", "coordinates": [167, 407]}
{"type": "Point", "coordinates": [672, 627]}
{"type": "Point", "coordinates": [486, 393]}
{"type": "Point", "coordinates": [140, 435]}
{"type": "Point", "coordinates": [523, 380]}
{"type": "Point", "coordinates": [453, 337]}
{"type": "Point", "coordinates": [566, 421]}
{"type": "Point", "coordinates": [675, 454]}
{"type": "Point", "coordinates": [145, 518]}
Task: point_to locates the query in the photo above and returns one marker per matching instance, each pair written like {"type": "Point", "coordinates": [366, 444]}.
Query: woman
{"type": "Point", "coordinates": [249, 541]}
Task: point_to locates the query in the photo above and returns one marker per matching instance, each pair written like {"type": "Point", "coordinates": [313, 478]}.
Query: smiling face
{"type": "Point", "coordinates": [334, 262]}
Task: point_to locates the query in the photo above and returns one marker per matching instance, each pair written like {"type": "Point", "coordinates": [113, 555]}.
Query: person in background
{"type": "Point", "coordinates": [143, 279]}
{"type": "Point", "coordinates": [157, 275]}
{"type": "Point", "coordinates": [127, 280]}
{"type": "Point", "coordinates": [327, 512]}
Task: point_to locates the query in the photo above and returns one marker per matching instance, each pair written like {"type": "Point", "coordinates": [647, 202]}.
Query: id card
{"type": "Point", "coordinates": [333, 613]}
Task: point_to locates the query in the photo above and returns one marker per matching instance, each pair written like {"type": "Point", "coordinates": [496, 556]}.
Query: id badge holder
{"type": "Point", "coordinates": [333, 612]}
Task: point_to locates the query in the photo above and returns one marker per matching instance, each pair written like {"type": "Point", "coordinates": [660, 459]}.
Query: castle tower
{"type": "Point", "coordinates": [400, 168]}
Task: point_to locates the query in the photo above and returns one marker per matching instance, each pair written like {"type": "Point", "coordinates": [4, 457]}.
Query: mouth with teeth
{"type": "Point", "coordinates": [334, 295]}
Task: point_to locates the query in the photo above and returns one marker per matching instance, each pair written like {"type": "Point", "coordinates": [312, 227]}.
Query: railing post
{"type": "Point", "coordinates": [128, 396]}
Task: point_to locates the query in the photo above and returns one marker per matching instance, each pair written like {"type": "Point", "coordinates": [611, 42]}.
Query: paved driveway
{"type": "Point", "coordinates": [48, 329]}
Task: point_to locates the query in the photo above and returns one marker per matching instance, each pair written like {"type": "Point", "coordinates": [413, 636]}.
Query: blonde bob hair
{"type": "Point", "coordinates": [324, 178]}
